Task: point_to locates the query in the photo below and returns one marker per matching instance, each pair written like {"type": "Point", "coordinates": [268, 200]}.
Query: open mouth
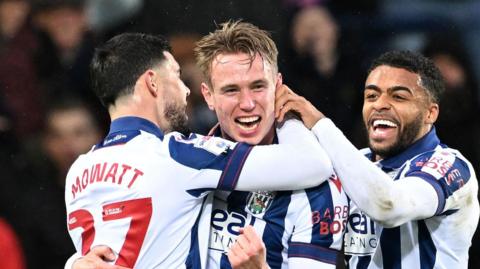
{"type": "Point", "coordinates": [248, 123]}
{"type": "Point", "coordinates": [383, 129]}
{"type": "Point", "coordinates": [383, 124]}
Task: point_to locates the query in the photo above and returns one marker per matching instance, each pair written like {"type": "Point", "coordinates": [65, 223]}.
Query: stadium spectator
{"type": "Point", "coordinates": [18, 78]}
{"type": "Point", "coordinates": [66, 47]}
{"type": "Point", "coordinates": [323, 64]}
{"type": "Point", "coordinates": [70, 130]}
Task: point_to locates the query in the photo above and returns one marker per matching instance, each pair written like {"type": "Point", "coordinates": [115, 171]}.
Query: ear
{"type": "Point", "coordinates": [150, 82]}
{"type": "Point", "coordinates": [433, 112]}
{"type": "Point", "coordinates": [278, 81]}
{"type": "Point", "coordinates": [208, 95]}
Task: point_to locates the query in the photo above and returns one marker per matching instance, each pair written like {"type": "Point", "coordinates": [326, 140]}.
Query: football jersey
{"type": "Point", "coordinates": [144, 193]}
{"type": "Point", "coordinates": [441, 241]}
{"type": "Point", "coordinates": [304, 226]}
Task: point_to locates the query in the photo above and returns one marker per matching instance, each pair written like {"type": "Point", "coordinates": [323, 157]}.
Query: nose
{"type": "Point", "coordinates": [382, 103]}
{"type": "Point", "coordinates": [247, 101]}
{"type": "Point", "coordinates": [187, 90]}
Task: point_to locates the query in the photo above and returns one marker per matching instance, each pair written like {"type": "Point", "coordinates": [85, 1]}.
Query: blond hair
{"type": "Point", "coordinates": [234, 37]}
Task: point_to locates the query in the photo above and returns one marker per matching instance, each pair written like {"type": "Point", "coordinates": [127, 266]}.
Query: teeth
{"type": "Point", "coordinates": [388, 123]}
{"type": "Point", "coordinates": [248, 119]}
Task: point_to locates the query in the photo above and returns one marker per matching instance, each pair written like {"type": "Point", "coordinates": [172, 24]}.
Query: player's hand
{"type": "Point", "coordinates": [97, 258]}
{"type": "Point", "coordinates": [248, 252]}
{"type": "Point", "coordinates": [286, 100]}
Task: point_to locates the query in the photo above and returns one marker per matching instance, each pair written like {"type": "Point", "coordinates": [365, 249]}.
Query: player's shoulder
{"type": "Point", "coordinates": [197, 151]}
{"type": "Point", "coordinates": [439, 161]}
{"type": "Point", "coordinates": [442, 165]}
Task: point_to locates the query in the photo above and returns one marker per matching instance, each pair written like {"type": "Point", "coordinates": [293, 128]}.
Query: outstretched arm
{"type": "Point", "coordinates": [389, 202]}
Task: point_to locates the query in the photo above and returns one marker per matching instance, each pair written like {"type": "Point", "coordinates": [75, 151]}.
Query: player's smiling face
{"type": "Point", "coordinates": [396, 110]}
{"type": "Point", "coordinates": [243, 97]}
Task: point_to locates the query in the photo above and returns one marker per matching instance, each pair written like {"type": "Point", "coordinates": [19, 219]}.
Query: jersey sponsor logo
{"type": "Point", "coordinates": [360, 237]}
{"type": "Point", "coordinates": [331, 220]}
{"type": "Point", "coordinates": [454, 176]}
{"type": "Point", "coordinates": [115, 138]}
{"type": "Point", "coordinates": [226, 228]}
{"type": "Point", "coordinates": [258, 202]}
{"type": "Point", "coordinates": [437, 165]}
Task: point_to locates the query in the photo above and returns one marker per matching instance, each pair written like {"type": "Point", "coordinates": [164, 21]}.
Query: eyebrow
{"type": "Point", "coordinates": [223, 88]}
{"type": "Point", "coordinates": [391, 89]}
{"type": "Point", "coordinates": [259, 81]}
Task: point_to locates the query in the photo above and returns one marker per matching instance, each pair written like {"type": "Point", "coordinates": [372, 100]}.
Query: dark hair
{"type": "Point", "coordinates": [430, 76]}
{"type": "Point", "coordinates": [117, 65]}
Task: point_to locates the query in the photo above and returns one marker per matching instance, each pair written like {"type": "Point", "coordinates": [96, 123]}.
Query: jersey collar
{"type": "Point", "coordinates": [133, 124]}
{"type": "Point", "coordinates": [427, 143]}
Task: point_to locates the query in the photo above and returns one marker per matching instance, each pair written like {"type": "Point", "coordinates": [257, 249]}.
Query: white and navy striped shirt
{"type": "Point", "coordinates": [440, 241]}
{"type": "Point", "coordinates": [144, 194]}
{"type": "Point", "coordinates": [300, 229]}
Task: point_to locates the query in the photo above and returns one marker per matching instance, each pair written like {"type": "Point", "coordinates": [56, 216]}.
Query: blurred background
{"type": "Point", "coordinates": [49, 115]}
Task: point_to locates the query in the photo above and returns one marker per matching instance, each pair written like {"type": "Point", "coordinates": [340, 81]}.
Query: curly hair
{"type": "Point", "coordinates": [430, 76]}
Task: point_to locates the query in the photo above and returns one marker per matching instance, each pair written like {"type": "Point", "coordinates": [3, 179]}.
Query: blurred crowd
{"type": "Point", "coordinates": [49, 115]}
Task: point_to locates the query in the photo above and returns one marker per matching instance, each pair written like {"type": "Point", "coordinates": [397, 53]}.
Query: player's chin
{"type": "Point", "coordinates": [382, 148]}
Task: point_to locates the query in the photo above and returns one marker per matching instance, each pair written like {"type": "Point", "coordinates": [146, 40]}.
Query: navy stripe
{"type": "Point", "coordinates": [390, 245]}
{"type": "Point", "coordinates": [309, 251]}
{"type": "Point", "coordinates": [273, 232]}
{"type": "Point", "coordinates": [125, 129]}
{"type": "Point", "coordinates": [363, 262]}
{"type": "Point", "coordinates": [320, 199]}
{"type": "Point", "coordinates": [193, 260]}
{"type": "Point", "coordinates": [237, 201]}
{"type": "Point", "coordinates": [457, 175]}
{"type": "Point", "coordinates": [427, 248]}
{"type": "Point", "coordinates": [198, 192]}
{"type": "Point", "coordinates": [117, 138]}
{"type": "Point", "coordinates": [234, 166]}
{"type": "Point", "coordinates": [449, 212]}
{"type": "Point", "coordinates": [436, 185]}
{"type": "Point", "coordinates": [135, 123]}
{"type": "Point", "coordinates": [224, 262]}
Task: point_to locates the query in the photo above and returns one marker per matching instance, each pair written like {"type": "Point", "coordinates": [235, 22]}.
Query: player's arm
{"type": "Point", "coordinates": [389, 202]}
{"type": "Point", "coordinates": [299, 162]}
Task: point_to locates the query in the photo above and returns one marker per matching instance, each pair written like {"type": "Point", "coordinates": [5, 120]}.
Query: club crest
{"type": "Point", "coordinates": [258, 202]}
